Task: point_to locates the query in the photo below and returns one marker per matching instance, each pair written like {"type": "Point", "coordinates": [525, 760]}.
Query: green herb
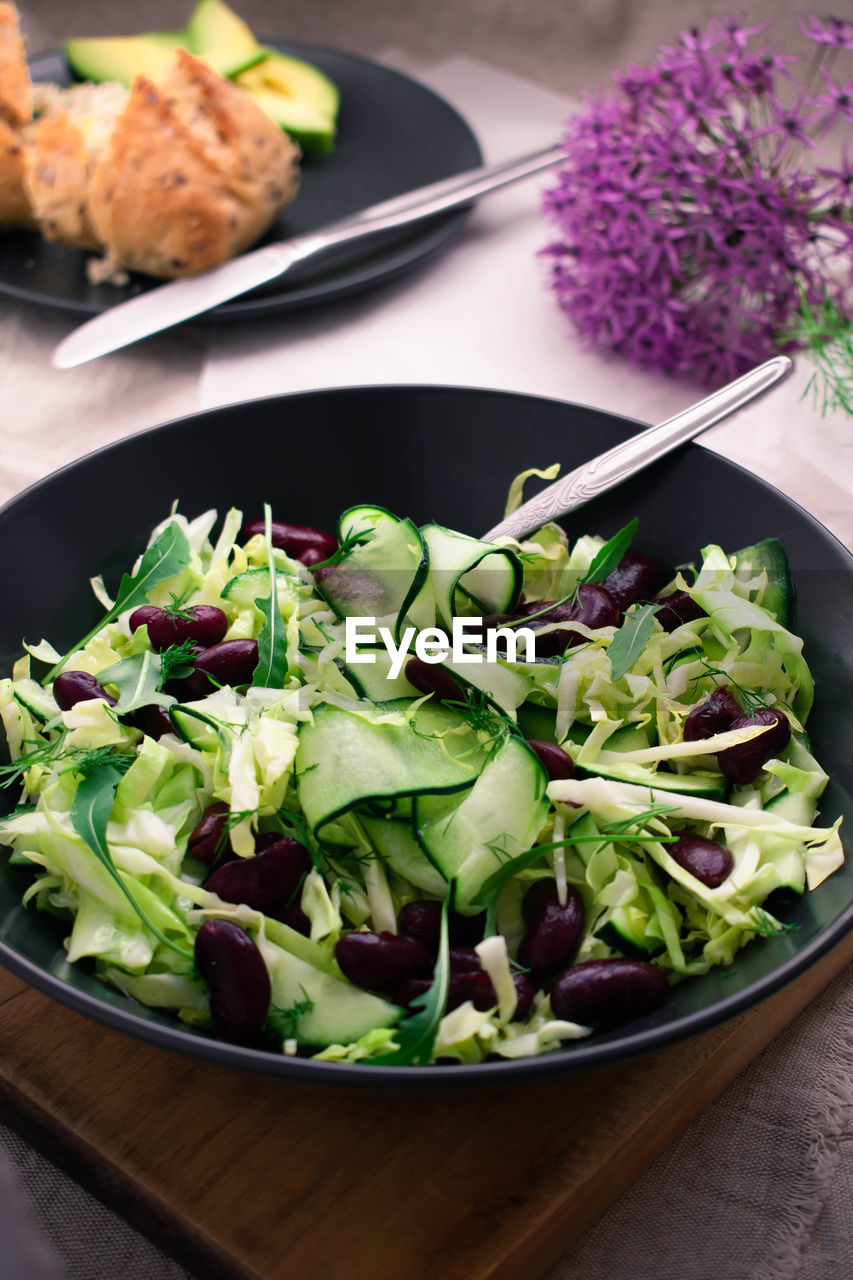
{"type": "Point", "coordinates": [272, 641]}
{"type": "Point", "coordinates": [751, 701]}
{"type": "Point", "coordinates": [43, 754]}
{"type": "Point", "coordinates": [176, 662]}
{"type": "Point", "coordinates": [630, 640]}
{"type": "Point", "coordinates": [826, 334]}
{"type": "Point", "coordinates": [90, 814]}
{"type": "Point", "coordinates": [618, 832]}
{"type": "Point", "coordinates": [416, 1033]}
{"type": "Point", "coordinates": [607, 558]}
{"type": "Point", "coordinates": [285, 1022]}
{"type": "Point", "coordinates": [168, 554]}
{"type": "Point", "coordinates": [85, 763]}
{"type": "Point", "coordinates": [138, 680]}
{"type": "Point", "coordinates": [483, 716]}
{"type": "Point", "coordinates": [768, 926]}
{"type": "Point", "coordinates": [177, 608]}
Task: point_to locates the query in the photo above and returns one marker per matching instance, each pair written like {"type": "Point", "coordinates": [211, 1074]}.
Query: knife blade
{"type": "Point", "coordinates": [181, 300]}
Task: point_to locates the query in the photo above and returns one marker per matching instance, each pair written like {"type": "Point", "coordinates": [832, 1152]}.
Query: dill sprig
{"type": "Point", "coordinates": [176, 662]}
{"type": "Point", "coordinates": [825, 333]}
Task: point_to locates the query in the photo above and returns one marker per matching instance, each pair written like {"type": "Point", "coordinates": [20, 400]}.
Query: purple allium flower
{"type": "Point", "coordinates": [835, 33]}
{"type": "Point", "coordinates": [691, 226]}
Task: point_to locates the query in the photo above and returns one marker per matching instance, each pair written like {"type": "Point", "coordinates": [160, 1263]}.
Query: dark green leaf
{"type": "Point", "coordinates": [416, 1033]}
{"type": "Point", "coordinates": [608, 557]}
{"type": "Point", "coordinates": [168, 554]}
{"type": "Point", "coordinates": [630, 640]}
{"type": "Point", "coordinates": [138, 681]}
{"type": "Point", "coordinates": [271, 670]}
{"type": "Point", "coordinates": [90, 813]}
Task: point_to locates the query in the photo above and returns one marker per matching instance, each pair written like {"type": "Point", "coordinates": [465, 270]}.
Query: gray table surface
{"type": "Point", "coordinates": [760, 1186]}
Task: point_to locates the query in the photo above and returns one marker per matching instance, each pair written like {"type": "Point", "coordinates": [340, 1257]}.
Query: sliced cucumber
{"type": "Point", "coordinates": [348, 759]}
{"type": "Point", "coordinates": [779, 597]}
{"type": "Point", "coordinates": [464, 568]}
{"type": "Point", "coordinates": [336, 1012]}
{"type": "Point", "coordinates": [398, 847]}
{"type": "Point", "coordinates": [469, 838]}
{"type": "Point", "coordinates": [380, 577]}
{"type": "Point", "coordinates": [624, 929]}
{"type": "Point", "coordinates": [39, 701]}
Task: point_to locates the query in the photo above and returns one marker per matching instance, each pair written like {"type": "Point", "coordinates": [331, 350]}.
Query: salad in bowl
{"type": "Point", "coordinates": [401, 796]}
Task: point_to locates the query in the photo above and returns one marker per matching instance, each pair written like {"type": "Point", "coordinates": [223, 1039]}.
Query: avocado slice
{"type": "Point", "coordinates": [120, 58]}
{"type": "Point", "coordinates": [213, 25]}
{"type": "Point", "coordinates": [298, 96]}
{"type": "Point", "coordinates": [295, 94]}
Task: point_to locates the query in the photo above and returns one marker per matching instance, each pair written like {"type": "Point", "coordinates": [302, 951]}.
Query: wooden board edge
{"type": "Point", "coordinates": [752, 1033]}
{"type": "Point", "coordinates": [141, 1207]}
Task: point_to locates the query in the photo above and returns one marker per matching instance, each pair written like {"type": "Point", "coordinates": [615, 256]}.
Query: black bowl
{"type": "Point", "coordinates": [446, 454]}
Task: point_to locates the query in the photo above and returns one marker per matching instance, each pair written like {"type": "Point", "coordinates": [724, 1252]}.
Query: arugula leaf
{"type": "Point", "coordinates": [630, 640]}
{"type": "Point", "coordinates": [168, 554]}
{"type": "Point", "coordinates": [416, 1033]}
{"type": "Point", "coordinates": [138, 681]}
{"type": "Point", "coordinates": [90, 813]}
{"type": "Point", "coordinates": [607, 558]}
{"type": "Point", "coordinates": [272, 641]}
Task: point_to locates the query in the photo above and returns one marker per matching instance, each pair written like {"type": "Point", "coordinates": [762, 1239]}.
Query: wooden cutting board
{"type": "Point", "coordinates": [243, 1176]}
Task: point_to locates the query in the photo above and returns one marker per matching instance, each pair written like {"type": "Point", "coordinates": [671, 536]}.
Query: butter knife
{"type": "Point", "coordinates": [173, 303]}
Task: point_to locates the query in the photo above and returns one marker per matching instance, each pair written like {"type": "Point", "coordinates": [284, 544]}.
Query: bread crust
{"type": "Point", "coordinates": [194, 172]}
{"type": "Point", "coordinates": [16, 95]}
{"type": "Point", "coordinates": [14, 206]}
{"type": "Point", "coordinates": [16, 109]}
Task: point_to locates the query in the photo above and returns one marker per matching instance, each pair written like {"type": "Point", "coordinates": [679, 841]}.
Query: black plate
{"type": "Point", "coordinates": [446, 454]}
{"type": "Point", "coordinates": [394, 135]}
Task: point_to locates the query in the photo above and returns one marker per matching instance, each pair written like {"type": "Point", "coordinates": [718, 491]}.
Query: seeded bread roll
{"type": "Point", "coordinates": [63, 149]}
{"type": "Point", "coordinates": [193, 173]}
{"type": "Point", "coordinates": [15, 111]}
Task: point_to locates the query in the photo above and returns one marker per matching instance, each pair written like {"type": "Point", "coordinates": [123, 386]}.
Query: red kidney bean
{"type": "Point", "coordinates": [229, 662]}
{"type": "Point", "coordinates": [463, 960]}
{"type": "Point", "coordinates": [381, 961]}
{"type": "Point", "coordinates": [676, 609]}
{"type": "Point", "coordinates": [265, 882]}
{"type": "Point", "coordinates": [422, 920]}
{"type": "Point", "coordinates": [636, 577]}
{"type": "Point", "coordinates": [557, 762]}
{"type": "Point", "coordinates": [714, 715]}
{"type": "Point", "coordinates": [312, 556]}
{"type": "Point", "coordinates": [742, 764]}
{"type": "Point", "coordinates": [476, 986]}
{"type": "Point", "coordinates": [296, 539]}
{"type": "Point", "coordinates": [428, 678]}
{"type": "Point", "coordinates": [605, 993]}
{"type": "Point", "coordinates": [553, 931]}
{"type": "Point", "coordinates": [594, 606]}
{"type": "Point", "coordinates": [71, 687]}
{"type": "Point", "coordinates": [209, 842]}
{"type": "Point", "coordinates": [237, 979]}
{"type": "Point", "coordinates": [708, 861]}
{"type": "Point", "coordinates": [296, 918]}
{"type": "Point", "coordinates": [153, 720]}
{"type": "Point", "coordinates": [203, 624]}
